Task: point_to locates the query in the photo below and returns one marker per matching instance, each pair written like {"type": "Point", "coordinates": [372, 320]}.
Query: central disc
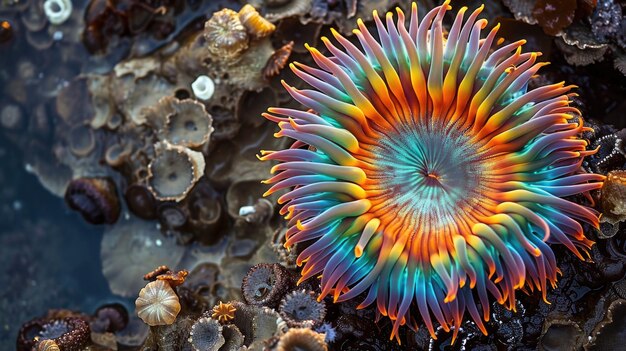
{"type": "Point", "coordinates": [428, 174]}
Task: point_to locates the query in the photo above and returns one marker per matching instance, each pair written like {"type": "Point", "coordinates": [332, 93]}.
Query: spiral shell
{"type": "Point", "coordinates": [157, 304]}
{"type": "Point", "coordinates": [256, 25]}
{"type": "Point", "coordinates": [48, 345]}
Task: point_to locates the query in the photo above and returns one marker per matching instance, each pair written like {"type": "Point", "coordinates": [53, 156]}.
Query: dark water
{"type": "Point", "coordinates": [49, 257]}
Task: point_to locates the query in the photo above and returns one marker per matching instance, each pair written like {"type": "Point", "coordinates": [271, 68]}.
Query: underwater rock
{"type": "Point", "coordinates": [95, 198]}
{"type": "Point", "coordinates": [132, 247]}
{"type": "Point", "coordinates": [610, 334]}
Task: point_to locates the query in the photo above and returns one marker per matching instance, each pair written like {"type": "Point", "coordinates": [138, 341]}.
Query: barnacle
{"type": "Point", "coordinates": [225, 34]}
{"type": "Point", "coordinates": [223, 312]}
{"type": "Point", "coordinates": [301, 309]}
{"type": "Point", "coordinates": [206, 335]}
{"type": "Point", "coordinates": [303, 339]}
{"type": "Point", "coordinates": [426, 174]}
{"type": "Point", "coordinates": [157, 303]}
{"type": "Point", "coordinates": [266, 284]}
{"type": "Point", "coordinates": [174, 171]}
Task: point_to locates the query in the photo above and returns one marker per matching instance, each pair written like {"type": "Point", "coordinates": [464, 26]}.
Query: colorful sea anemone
{"type": "Point", "coordinates": [425, 176]}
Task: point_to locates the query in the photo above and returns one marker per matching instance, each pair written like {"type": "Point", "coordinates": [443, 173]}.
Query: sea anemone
{"type": "Point", "coordinates": [426, 174]}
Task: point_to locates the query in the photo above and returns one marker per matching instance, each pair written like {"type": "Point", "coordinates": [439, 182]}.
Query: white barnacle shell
{"type": "Point", "coordinates": [203, 87]}
{"type": "Point", "coordinates": [57, 11]}
{"type": "Point", "coordinates": [157, 303]}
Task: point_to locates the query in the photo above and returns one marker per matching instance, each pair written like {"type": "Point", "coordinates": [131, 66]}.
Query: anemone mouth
{"type": "Point", "coordinates": [432, 175]}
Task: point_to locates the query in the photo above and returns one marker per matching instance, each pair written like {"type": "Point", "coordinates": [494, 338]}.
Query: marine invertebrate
{"type": "Point", "coordinates": [48, 345]}
{"type": "Point", "coordinates": [186, 123]}
{"type": "Point", "coordinates": [225, 34]}
{"type": "Point", "coordinates": [301, 339]}
{"type": "Point", "coordinates": [110, 318]}
{"type": "Point", "coordinates": [223, 312]}
{"type": "Point", "coordinates": [173, 278]}
{"type": "Point", "coordinates": [277, 61]}
{"type": "Point", "coordinates": [174, 171]}
{"type": "Point", "coordinates": [256, 25]}
{"type": "Point", "coordinates": [71, 333]}
{"type": "Point", "coordinates": [206, 335]}
{"type": "Point", "coordinates": [266, 284]}
{"type": "Point", "coordinates": [57, 11]}
{"type": "Point", "coordinates": [157, 303]}
{"type": "Point", "coordinates": [95, 198]}
{"type": "Point", "coordinates": [613, 199]}
{"type": "Point", "coordinates": [300, 308]}
{"type": "Point", "coordinates": [203, 87]}
{"type": "Point", "coordinates": [426, 174]}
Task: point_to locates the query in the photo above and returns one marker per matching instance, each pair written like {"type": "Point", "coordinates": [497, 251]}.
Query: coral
{"type": "Point", "coordinates": [256, 25]}
{"type": "Point", "coordinates": [266, 284]}
{"type": "Point", "coordinates": [71, 333]}
{"type": "Point", "coordinates": [223, 312]}
{"type": "Point", "coordinates": [203, 87]}
{"type": "Point", "coordinates": [613, 199]}
{"type": "Point", "coordinates": [152, 275]}
{"type": "Point", "coordinates": [95, 198]}
{"type": "Point", "coordinates": [173, 278]}
{"type": "Point", "coordinates": [300, 309]}
{"type": "Point", "coordinates": [206, 335]}
{"type": "Point", "coordinates": [57, 11]}
{"type": "Point", "coordinates": [174, 171]}
{"type": "Point", "coordinates": [157, 303]}
{"type": "Point", "coordinates": [301, 339]}
{"type": "Point", "coordinates": [606, 20]}
{"type": "Point", "coordinates": [427, 174]}
{"type": "Point", "coordinates": [225, 35]}
{"type": "Point", "coordinates": [278, 60]}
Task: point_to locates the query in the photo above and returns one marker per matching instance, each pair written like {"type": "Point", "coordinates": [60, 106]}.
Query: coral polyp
{"type": "Point", "coordinates": [425, 176]}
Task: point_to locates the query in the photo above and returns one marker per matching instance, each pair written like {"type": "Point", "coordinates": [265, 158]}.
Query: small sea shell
{"type": "Point", "coordinates": [256, 25]}
{"type": "Point", "coordinates": [157, 304]}
{"type": "Point", "coordinates": [48, 345]}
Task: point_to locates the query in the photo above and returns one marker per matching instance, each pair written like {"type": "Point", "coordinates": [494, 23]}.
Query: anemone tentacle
{"type": "Point", "coordinates": [425, 175]}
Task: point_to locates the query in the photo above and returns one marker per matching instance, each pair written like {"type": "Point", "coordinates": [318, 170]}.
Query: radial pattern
{"type": "Point", "coordinates": [425, 176]}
